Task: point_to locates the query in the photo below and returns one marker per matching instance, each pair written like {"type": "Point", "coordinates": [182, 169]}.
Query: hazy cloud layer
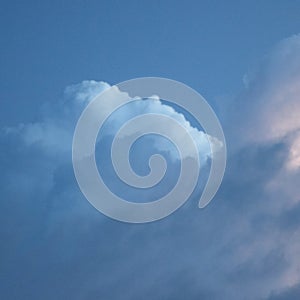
{"type": "Point", "coordinates": [268, 110]}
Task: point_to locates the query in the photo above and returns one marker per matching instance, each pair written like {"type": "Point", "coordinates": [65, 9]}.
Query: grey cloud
{"type": "Point", "coordinates": [291, 293]}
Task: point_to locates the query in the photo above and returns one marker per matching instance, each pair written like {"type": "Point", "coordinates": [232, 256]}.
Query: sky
{"type": "Point", "coordinates": [243, 57]}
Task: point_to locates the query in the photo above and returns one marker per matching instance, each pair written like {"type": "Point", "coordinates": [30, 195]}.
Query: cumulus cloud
{"type": "Point", "coordinates": [54, 131]}
{"type": "Point", "coordinates": [244, 245]}
{"type": "Point", "coordinates": [205, 143]}
{"type": "Point", "coordinates": [38, 179]}
{"type": "Point", "coordinates": [85, 91]}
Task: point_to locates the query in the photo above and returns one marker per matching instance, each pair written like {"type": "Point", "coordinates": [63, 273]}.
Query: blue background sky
{"type": "Point", "coordinates": [243, 57]}
{"type": "Point", "coordinates": [208, 45]}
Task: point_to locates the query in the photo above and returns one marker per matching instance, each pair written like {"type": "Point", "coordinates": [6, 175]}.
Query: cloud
{"type": "Point", "coordinates": [266, 115]}
{"type": "Point", "coordinates": [244, 245]}
{"type": "Point", "coordinates": [288, 294]}
{"type": "Point", "coordinates": [85, 91]}
{"type": "Point", "coordinates": [54, 132]}
{"type": "Point", "coordinates": [268, 110]}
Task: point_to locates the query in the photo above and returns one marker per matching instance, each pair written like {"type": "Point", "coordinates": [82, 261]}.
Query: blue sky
{"type": "Point", "coordinates": [243, 57]}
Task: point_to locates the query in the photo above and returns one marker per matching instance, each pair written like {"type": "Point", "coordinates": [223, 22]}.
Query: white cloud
{"type": "Point", "coordinates": [54, 132]}
{"type": "Point", "coordinates": [85, 91]}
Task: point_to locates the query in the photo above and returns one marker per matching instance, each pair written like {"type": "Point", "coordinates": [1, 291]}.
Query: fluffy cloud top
{"type": "Point", "coordinates": [54, 131]}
